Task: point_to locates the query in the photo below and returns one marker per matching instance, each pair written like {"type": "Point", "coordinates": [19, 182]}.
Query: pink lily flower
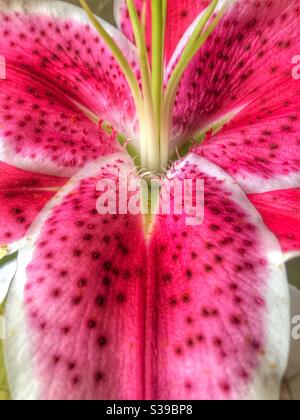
{"type": "Point", "coordinates": [101, 307]}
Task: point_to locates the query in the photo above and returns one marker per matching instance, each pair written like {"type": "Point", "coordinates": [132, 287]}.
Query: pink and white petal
{"type": "Point", "coordinates": [220, 313]}
{"type": "Point", "coordinates": [280, 211]}
{"type": "Point", "coordinates": [180, 15]}
{"type": "Point", "coordinates": [262, 153]}
{"type": "Point", "coordinates": [57, 72]}
{"type": "Point", "coordinates": [123, 20]}
{"type": "Point", "coordinates": [22, 196]}
{"type": "Point", "coordinates": [55, 41]}
{"type": "Point", "coordinates": [77, 299]}
{"type": "Point", "coordinates": [248, 56]}
{"type": "Point", "coordinates": [44, 131]}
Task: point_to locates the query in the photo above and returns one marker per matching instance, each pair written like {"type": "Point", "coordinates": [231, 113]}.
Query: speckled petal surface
{"type": "Point", "coordinates": [280, 211]}
{"type": "Point", "coordinates": [22, 196]}
{"type": "Point", "coordinates": [219, 299]}
{"type": "Point", "coordinates": [58, 75]}
{"type": "Point", "coordinates": [245, 62]}
{"type": "Point", "coordinates": [77, 300]}
{"type": "Point", "coordinates": [261, 150]}
{"type": "Point", "coordinates": [180, 15]}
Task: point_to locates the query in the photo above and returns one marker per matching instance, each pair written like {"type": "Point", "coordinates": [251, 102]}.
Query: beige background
{"type": "Point", "coordinates": [101, 7]}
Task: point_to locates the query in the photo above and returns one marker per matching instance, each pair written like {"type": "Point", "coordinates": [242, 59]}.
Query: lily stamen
{"type": "Point", "coordinates": [148, 129]}
{"type": "Point", "coordinates": [119, 56]}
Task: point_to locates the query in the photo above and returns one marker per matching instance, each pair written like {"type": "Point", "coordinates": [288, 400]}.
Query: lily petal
{"type": "Point", "coordinates": [59, 77]}
{"type": "Point", "coordinates": [249, 55]}
{"type": "Point", "coordinates": [22, 196]}
{"type": "Point", "coordinates": [219, 311]}
{"type": "Point", "coordinates": [76, 304]}
{"type": "Point", "coordinates": [280, 211]}
{"type": "Point", "coordinates": [209, 318]}
{"type": "Point", "coordinates": [261, 152]}
{"type": "Point", "coordinates": [180, 15]}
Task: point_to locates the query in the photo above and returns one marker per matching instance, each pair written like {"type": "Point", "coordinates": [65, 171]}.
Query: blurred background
{"type": "Point", "coordinates": [100, 7]}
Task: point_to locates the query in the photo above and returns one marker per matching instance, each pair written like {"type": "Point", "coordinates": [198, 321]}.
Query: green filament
{"type": "Point", "coordinates": [158, 41]}
{"type": "Point", "coordinates": [118, 55]}
{"type": "Point", "coordinates": [149, 130]}
{"type": "Point", "coordinates": [197, 40]}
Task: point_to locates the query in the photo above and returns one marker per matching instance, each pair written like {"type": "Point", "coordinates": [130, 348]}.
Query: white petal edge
{"type": "Point", "coordinates": [266, 386]}
{"type": "Point", "coordinates": [7, 273]}
{"type": "Point", "coordinates": [256, 185]}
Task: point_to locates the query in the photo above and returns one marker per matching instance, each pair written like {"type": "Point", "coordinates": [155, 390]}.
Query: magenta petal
{"type": "Point", "coordinates": [123, 19]}
{"type": "Point", "coordinates": [281, 213]}
{"type": "Point", "coordinates": [200, 312]}
{"type": "Point", "coordinates": [55, 41]}
{"type": "Point", "coordinates": [260, 150]}
{"type": "Point", "coordinates": [218, 299]}
{"type": "Point", "coordinates": [55, 65]}
{"type": "Point", "coordinates": [42, 131]}
{"type": "Point", "coordinates": [77, 300]}
{"type": "Point", "coordinates": [248, 56]}
{"type": "Point", "coordinates": [180, 15]}
{"type": "Point", "coordinates": [22, 196]}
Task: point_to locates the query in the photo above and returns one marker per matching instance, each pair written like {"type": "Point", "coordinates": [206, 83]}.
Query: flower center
{"type": "Point", "coordinates": [155, 99]}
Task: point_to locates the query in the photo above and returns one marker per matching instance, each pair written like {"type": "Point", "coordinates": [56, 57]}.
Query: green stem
{"type": "Point", "coordinates": [124, 142]}
{"type": "Point", "coordinates": [157, 56]}
{"type": "Point", "coordinates": [149, 133]}
{"type": "Point", "coordinates": [202, 39]}
{"type": "Point", "coordinates": [164, 10]}
{"type": "Point", "coordinates": [165, 133]}
{"type": "Point", "coordinates": [131, 150]}
{"type": "Point", "coordinates": [8, 258]}
{"type": "Point", "coordinates": [199, 27]}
